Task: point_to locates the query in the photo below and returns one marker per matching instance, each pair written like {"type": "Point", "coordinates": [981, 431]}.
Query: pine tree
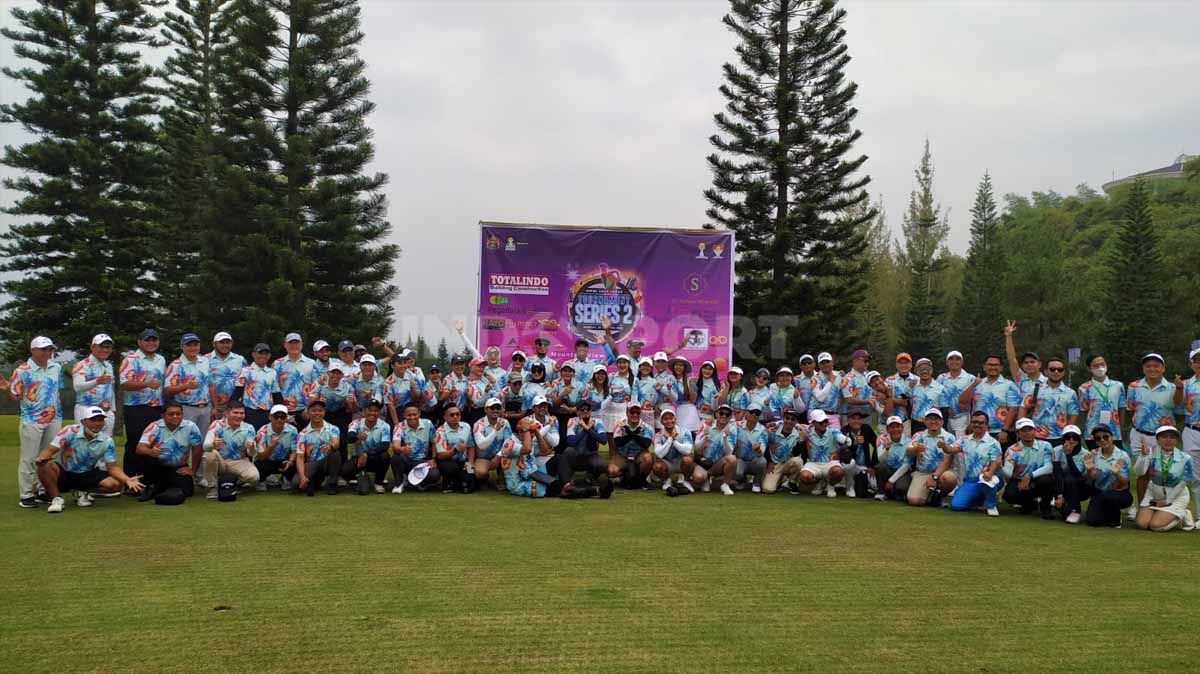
{"type": "Point", "coordinates": [79, 244]}
{"type": "Point", "coordinates": [1136, 278]}
{"type": "Point", "coordinates": [198, 267]}
{"type": "Point", "coordinates": [784, 179]}
{"type": "Point", "coordinates": [443, 352]}
{"type": "Point", "coordinates": [977, 322]}
{"type": "Point", "coordinates": [925, 233]}
{"type": "Point", "coordinates": [304, 86]}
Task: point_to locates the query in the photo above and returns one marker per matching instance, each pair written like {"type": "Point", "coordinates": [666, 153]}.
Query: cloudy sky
{"type": "Point", "coordinates": [599, 112]}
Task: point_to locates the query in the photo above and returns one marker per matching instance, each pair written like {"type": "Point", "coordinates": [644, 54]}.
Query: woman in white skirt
{"type": "Point", "coordinates": [622, 389]}
{"type": "Point", "coordinates": [1165, 503]}
{"type": "Point", "coordinates": [687, 415]}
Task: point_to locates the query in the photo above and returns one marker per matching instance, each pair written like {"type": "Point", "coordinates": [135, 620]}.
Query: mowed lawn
{"type": "Point", "coordinates": [639, 583]}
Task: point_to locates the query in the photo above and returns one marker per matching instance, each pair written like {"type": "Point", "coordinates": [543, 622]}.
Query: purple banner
{"type": "Point", "coordinates": [665, 287]}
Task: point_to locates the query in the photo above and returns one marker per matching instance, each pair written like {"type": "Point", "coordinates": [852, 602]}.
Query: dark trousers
{"type": "Point", "coordinates": [1106, 506]}
{"type": "Point", "coordinates": [267, 468]}
{"type": "Point", "coordinates": [1074, 491]}
{"type": "Point", "coordinates": [324, 471]}
{"type": "Point", "coordinates": [402, 463]}
{"type": "Point", "coordinates": [1039, 487]}
{"type": "Point", "coordinates": [137, 418]}
{"type": "Point", "coordinates": [162, 477]}
{"type": "Point", "coordinates": [452, 473]}
{"type": "Point", "coordinates": [574, 458]}
{"type": "Point", "coordinates": [377, 464]}
{"type": "Point", "coordinates": [340, 419]}
{"type": "Point", "coordinates": [257, 418]}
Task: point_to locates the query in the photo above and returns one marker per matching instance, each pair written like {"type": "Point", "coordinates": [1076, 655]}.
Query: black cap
{"type": "Point", "coordinates": [374, 403]}
{"type": "Point", "coordinates": [148, 333]}
{"type": "Point", "coordinates": [1030, 354]}
{"type": "Point", "coordinates": [583, 404]}
{"type": "Point", "coordinates": [435, 368]}
{"type": "Point", "coordinates": [261, 347]}
{"type": "Point", "coordinates": [456, 359]}
{"type": "Point", "coordinates": [537, 366]}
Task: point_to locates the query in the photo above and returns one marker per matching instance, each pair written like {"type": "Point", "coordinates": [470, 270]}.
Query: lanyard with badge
{"type": "Point", "coordinates": [1166, 461]}
{"type": "Point", "coordinates": [1105, 416]}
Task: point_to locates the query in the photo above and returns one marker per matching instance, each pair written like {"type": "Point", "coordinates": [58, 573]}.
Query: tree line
{"type": "Point", "coordinates": [1113, 274]}
{"type": "Point", "coordinates": [225, 189]}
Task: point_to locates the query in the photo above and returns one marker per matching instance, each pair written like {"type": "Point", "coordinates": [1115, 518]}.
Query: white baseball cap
{"type": "Point", "coordinates": [93, 412]}
{"type": "Point", "coordinates": [279, 409]}
{"type": "Point", "coordinates": [754, 407]}
{"type": "Point", "coordinates": [871, 374]}
{"type": "Point", "coordinates": [492, 401]}
{"type": "Point", "coordinates": [1166, 428]}
{"type": "Point", "coordinates": [1193, 354]}
{"type": "Point", "coordinates": [824, 356]}
{"type": "Point", "coordinates": [624, 357]}
{"type": "Point", "coordinates": [934, 412]}
{"type": "Point", "coordinates": [661, 355]}
{"type": "Point", "coordinates": [645, 360]}
{"type": "Point", "coordinates": [817, 416]}
{"type": "Point", "coordinates": [367, 358]}
{"type": "Point", "coordinates": [520, 353]}
{"type": "Point", "coordinates": [784, 370]}
{"type": "Point", "coordinates": [1025, 423]}
{"type": "Point", "coordinates": [666, 409]}
{"type": "Point", "coordinates": [320, 344]}
{"type": "Point", "coordinates": [337, 367]}
{"type": "Point", "coordinates": [1072, 428]}
{"type": "Point", "coordinates": [222, 336]}
{"type": "Point", "coordinates": [41, 343]}
{"type": "Point", "coordinates": [736, 369]}
{"type": "Point", "coordinates": [101, 338]}
{"type": "Point", "coordinates": [540, 400]}
{"type": "Point", "coordinates": [807, 356]}
{"type": "Point", "coordinates": [952, 354]}
{"type": "Point", "coordinates": [894, 420]}
{"type": "Point", "coordinates": [599, 368]}
{"type": "Point", "coordinates": [292, 337]}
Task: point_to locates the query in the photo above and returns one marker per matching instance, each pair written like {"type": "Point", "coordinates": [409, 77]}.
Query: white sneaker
{"type": "Point", "coordinates": [1131, 512]}
{"type": "Point", "coordinates": [342, 482]}
{"type": "Point", "coordinates": [379, 489]}
{"type": "Point", "coordinates": [1073, 518]}
{"type": "Point", "coordinates": [819, 489]}
{"type": "Point", "coordinates": [212, 493]}
{"type": "Point", "coordinates": [831, 491]}
{"type": "Point", "coordinates": [285, 484]}
{"type": "Point", "coordinates": [399, 488]}
{"type": "Point", "coordinates": [707, 486]}
{"type": "Point", "coordinates": [756, 489]}
{"type": "Point", "coordinates": [688, 486]}
{"type": "Point", "coordinates": [993, 511]}
{"type": "Point", "coordinates": [881, 496]}
{"type": "Point", "coordinates": [56, 505]}
{"type": "Point", "coordinates": [83, 499]}
{"type": "Point", "coordinates": [666, 485]}
{"type": "Point", "coordinates": [726, 489]}
{"type": "Point", "coordinates": [850, 491]}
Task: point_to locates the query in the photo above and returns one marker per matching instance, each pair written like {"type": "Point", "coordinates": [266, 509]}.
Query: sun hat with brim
{"type": "Point", "coordinates": [418, 474]}
{"type": "Point", "coordinates": [1166, 430]}
{"type": "Point", "coordinates": [687, 364]}
{"type": "Point", "coordinates": [1153, 356]}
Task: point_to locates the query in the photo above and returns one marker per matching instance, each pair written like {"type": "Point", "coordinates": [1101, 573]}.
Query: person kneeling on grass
{"type": "Point", "coordinates": [858, 458]}
{"type": "Point", "coordinates": [892, 471]}
{"type": "Point", "coordinates": [1070, 481]}
{"type": "Point", "coordinates": [629, 455]}
{"type": "Point", "coordinates": [371, 437]}
{"type": "Point", "coordinates": [714, 447]}
{"type": "Point", "coordinates": [276, 444]}
{"type": "Point", "coordinates": [673, 451]}
{"type": "Point", "coordinates": [782, 466]}
{"type": "Point", "coordinates": [1165, 503]}
{"type": "Point", "coordinates": [170, 448]}
{"type": "Point", "coordinates": [822, 465]}
{"type": "Point", "coordinates": [751, 449]}
{"type": "Point", "coordinates": [491, 432]}
{"type": "Point", "coordinates": [929, 451]}
{"type": "Point", "coordinates": [82, 457]}
{"type": "Point", "coordinates": [412, 445]}
{"type": "Point", "coordinates": [1028, 470]}
{"type": "Point", "coordinates": [317, 457]}
{"type": "Point", "coordinates": [228, 447]}
{"type": "Point", "coordinates": [585, 434]}
{"type": "Point", "coordinates": [1106, 470]}
{"type": "Point", "coordinates": [981, 455]}
{"type": "Point", "coordinates": [452, 443]}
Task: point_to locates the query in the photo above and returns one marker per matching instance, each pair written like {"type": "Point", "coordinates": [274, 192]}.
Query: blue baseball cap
{"type": "Point", "coordinates": [189, 338]}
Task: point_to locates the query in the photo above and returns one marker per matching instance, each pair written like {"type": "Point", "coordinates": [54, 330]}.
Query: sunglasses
{"type": "Point", "coordinates": [722, 414]}
{"type": "Point", "coordinates": [1055, 369]}
{"type": "Point", "coordinates": [278, 416]}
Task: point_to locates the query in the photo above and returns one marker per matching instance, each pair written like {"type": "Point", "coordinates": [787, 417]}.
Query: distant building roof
{"type": "Point", "coordinates": [1172, 171]}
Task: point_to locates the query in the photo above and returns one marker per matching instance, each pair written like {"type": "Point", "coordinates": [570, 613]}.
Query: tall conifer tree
{"type": "Point", "coordinates": [1136, 280]}
{"type": "Point", "coordinates": [977, 321]}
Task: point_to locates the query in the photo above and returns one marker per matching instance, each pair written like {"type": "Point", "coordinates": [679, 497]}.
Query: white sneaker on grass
{"type": "Point", "coordinates": [666, 485]}
{"type": "Point", "coordinates": [850, 493]}
{"type": "Point", "coordinates": [688, 486]}
{"type": "Point", "coordinates": [342, 482]}
{"type": "Point", "coordinates": [819, 489]}
{"type": "Point", "coordinates": [755, 488]}
{"type": "Point", "coordinates": [881, 496]}
{"type": "Point", "coordinates": [831, 491]}
{"type": "Point", "coordinates": [212, 493]}
{"type": "Point", "coordinates": [993, 512]}
{"type": "Point", "coordinates": [707, 486]}
{"type": "Point", "coordinates": [726, 489]}
{"type": "Point", "coordinates": [399, 488]}
{"type": "Point", "coordinates": [1131, 512]}
{"type": "Point", "coordinates": [379, 489]}
{"type": "Point", "coordinates": [56, 505]}
{"type": "Point", "coordinates": [83, 499]}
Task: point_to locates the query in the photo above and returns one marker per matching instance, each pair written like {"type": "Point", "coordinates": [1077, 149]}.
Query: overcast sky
{"type": "Point", "coordinates": [599, 112]}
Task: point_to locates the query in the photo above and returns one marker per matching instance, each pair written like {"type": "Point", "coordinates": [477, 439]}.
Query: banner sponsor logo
{"type": "Point", "coordinates": [518, 284]}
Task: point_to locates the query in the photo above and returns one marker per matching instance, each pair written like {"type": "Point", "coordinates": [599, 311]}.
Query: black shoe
{"type": "Point", "coordinates": [310, 490]}
{"type": "Point", "coordinates": [1049, 515]}
{"type": "Point", "coordinates": [28, 502]}
{"type": "Point", "coordinates": [42, 497]}
{"type": "Point", "coordinates": [606, 487]}
{"type": "Point", "coordinates": [331, 489]}
{"type": "Point", "coordinates": [146, 495]}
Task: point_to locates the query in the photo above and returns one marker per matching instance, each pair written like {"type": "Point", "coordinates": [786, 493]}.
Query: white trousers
{"type": "Point", "coordinates": [34, 438]}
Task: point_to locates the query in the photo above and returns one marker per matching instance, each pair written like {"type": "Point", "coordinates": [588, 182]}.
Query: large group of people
{"type": "Point", "coordinates": [535, 427]}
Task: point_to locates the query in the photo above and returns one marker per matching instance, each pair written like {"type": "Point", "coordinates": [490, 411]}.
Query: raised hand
{"type": "Point", "coordinates": [1010, 328]}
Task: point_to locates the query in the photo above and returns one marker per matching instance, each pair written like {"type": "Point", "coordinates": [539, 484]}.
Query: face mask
{"type": "Point", "coordinates": [1099, 372]}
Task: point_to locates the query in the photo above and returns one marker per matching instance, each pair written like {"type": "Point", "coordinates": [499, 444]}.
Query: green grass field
{"type": "Point", "coordinates": [640, 583]}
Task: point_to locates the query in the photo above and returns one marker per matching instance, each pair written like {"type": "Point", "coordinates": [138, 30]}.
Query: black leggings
{"type": "Point", "coordinates": [1040, 486]}
{"type": "Point", "coordinates": [136, 419]}
{"type": "Point", "coordinates": [1106, 506]}
{"type": "Point", "coordinates": [376, 463]}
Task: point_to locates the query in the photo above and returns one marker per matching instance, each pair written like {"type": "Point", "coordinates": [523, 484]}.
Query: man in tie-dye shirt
{"type": "Point", "coordinates": [318, 459]}
{"type": "Point", "coordinates": [36, 383]}
{"type": "Point", "coordinates": [258, 387]}
{"type": "Point", "coordinates": [187, 381]}
{"type": "Point", "coordinates": [140, 378]}
{"type": "Point", "coordinates": [1187, 405]}
{"type": "Point", "coordinates": [226, 368]}
{"type": "Point", "coordinates": [82, 457]}
{"type": "Point", "coordinates": [172, 449]}
{"type": "Point", "coordinates": [94, 382]}
{"type": "Point", "coordinates": [297, 374]}
{"type": "Point", "coordinates": [412, 445]}
{"type": "Point", "coordinates": [1056, 406]}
